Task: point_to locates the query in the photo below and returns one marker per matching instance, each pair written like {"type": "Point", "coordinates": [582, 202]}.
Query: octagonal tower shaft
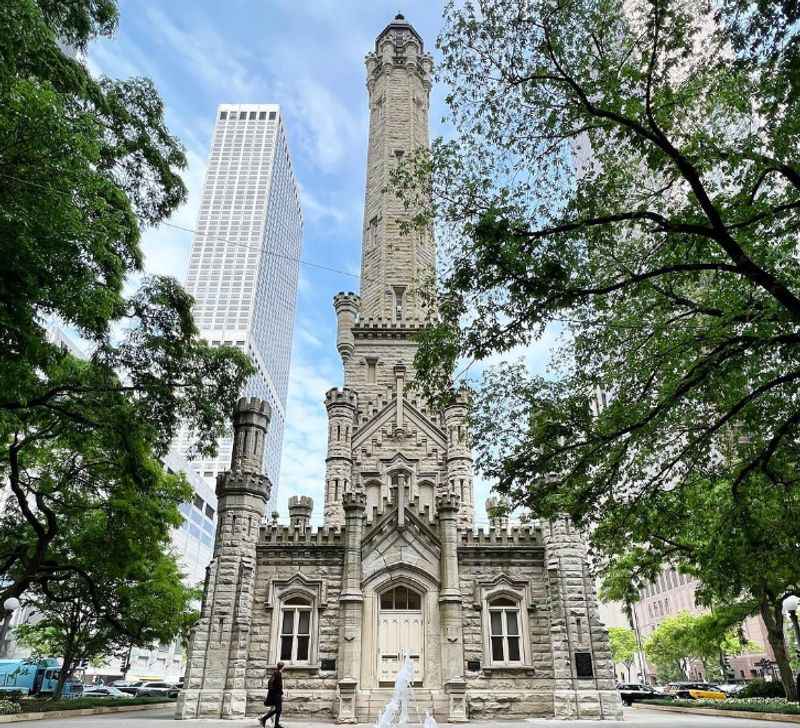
{"type": "Point", "coordinates": [394, 265]}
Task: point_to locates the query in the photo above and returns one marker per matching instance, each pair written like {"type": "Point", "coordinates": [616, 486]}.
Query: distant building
{"type": "Point", "coordinates": [673, 593]}
{"type": "Point", "coordinates": [244, 264]}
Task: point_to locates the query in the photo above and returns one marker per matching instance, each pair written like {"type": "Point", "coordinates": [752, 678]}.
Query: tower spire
{"type": "Point", "coordinates": [394, 265]}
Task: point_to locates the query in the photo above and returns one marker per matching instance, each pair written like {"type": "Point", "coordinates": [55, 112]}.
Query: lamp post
{"type": "Point", "coordinates": [790, 606]}
{"type": "Point", "coordinates": [10, 606]}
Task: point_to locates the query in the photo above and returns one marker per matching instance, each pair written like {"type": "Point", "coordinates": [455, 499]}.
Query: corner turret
{"type": "Point", "coordinates": [346, 306]}
{"type": "Point", "coordinates": [300, 509]}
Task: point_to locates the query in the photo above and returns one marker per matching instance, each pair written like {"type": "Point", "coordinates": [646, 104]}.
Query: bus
{"type": "Point", "coordinates": [35, 677]}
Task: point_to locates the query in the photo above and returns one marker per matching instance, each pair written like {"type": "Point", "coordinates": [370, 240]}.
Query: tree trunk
{"type": "Point", "coordinates": [772, 614]}
{"type": "Point", "coordinates": [66, 669]}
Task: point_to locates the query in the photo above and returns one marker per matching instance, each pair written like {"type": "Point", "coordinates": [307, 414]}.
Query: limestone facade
{"type": "Point", "coordinates": [499, 624]}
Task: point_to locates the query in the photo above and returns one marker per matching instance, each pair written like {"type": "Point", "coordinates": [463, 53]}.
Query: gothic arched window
{"type": "Point", "coordinates": [295, 634]}
{"type": "Point", "coordinates": [504, 631]}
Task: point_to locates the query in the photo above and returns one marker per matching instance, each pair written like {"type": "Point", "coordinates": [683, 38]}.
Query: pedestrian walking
{"type": "Point", "coordinates": [274, 699]}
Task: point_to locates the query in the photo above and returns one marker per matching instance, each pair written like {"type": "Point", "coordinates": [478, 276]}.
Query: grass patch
{"type": "Point", "coordinates": [45, 705]}
{"type": "Point", "coordinates": [750, 705]}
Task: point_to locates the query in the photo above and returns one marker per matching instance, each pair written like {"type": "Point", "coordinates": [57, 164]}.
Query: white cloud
{"type": "Point", "coordinates": [218, 63]}
{"type": "Point", "coordinates": [306, 435]}
{"type": "Point", "coordinates": [328, 131]}
{"type": "Point", "coordinates": [316, 211]}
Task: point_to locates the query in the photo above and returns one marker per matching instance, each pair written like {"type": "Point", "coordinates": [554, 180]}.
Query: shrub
{"type": "Point", "coordinates": [35, 705]}
{"type": "Point", "coordinates": [762, 689]}
{"type": "Point", "coordinates": [9, 707]}
{"type": "Point", "coordinates": [752, 705]}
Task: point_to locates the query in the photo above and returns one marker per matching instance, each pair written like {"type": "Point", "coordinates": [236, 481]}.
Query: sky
{"type": "Point", "coordinates": [307, 56]}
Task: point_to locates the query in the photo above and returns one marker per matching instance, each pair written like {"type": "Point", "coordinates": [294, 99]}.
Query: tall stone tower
{"type": "Point", "coordinates": [381, 438]}
{"type": "Point", "coordinates": [215, 675]}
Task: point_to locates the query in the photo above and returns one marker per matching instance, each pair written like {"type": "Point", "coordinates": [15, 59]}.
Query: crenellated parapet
{"type": "Point", "coordinates": [354, 501]}
{"type": "Point", "coordinates": [514, 536]}
{"type": "Point", "coordinates": [288, 536]}
{"type": "Point", "coordinates": [347, 307]}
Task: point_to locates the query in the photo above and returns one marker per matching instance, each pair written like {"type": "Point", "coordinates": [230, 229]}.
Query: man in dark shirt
{"type": "Point", "coordinates": [274, 697]}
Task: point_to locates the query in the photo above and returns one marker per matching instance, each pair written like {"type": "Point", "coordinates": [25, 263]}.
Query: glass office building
{"type": "Point", "coordinates": [244, 264]}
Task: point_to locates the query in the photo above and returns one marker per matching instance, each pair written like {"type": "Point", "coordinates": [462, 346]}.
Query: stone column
{"type": "Point", "coordinates": [217, 659]}
{"type": "Point", "coordinates": [459, 456]}
{"type": "Point", "coordinates": [351, 606]}
{"type": "Point", "coordinates": [300, 509]}
{"type": "Point", "coordinates": [448, 506]}
{"type": "Point", "coordinates": [577, 634]}
{"type": "Point", "coordinates": [341, 406]}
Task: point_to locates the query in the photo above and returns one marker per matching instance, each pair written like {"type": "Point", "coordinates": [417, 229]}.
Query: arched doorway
{"type": "Point", "coordinates": [401, 632]}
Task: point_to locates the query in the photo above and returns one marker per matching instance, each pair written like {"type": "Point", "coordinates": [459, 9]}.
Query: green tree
{"type": "Point", "coordinates": [682, 639]}
{"type": "Point", "coordinates": [84, 165]}
{"type": "Point", "coordinates": [627, 171]}
{"type": "Point", "coordinates": [623, 647]}
{"type": "Point", "coordinates": [150, 604]}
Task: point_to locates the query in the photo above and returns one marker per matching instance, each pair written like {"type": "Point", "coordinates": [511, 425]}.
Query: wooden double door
{"type": "Point", "coordinates": [401, 632]}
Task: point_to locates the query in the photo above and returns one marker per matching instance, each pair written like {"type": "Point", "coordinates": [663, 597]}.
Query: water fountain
{"type": "Point", "coordinates": [395, 714]}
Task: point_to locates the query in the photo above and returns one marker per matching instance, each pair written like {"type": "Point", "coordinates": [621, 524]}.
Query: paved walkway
{"type": "Point", "coordinates": [634, 718]}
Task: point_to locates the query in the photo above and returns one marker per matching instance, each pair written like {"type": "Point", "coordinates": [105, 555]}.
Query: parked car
{"type": "Point", "coordinates": [128, 687]}
{"type": "Point", "coordinates": [104, 691]}
{"type": "Point", "coordinates": [156, 690]}
{"type": "Point", "coordinates": [630, 693]}
{"type": "Point", "coordinates": [695, 691]}
{"type": "Point", "coordinates": [732, 688]}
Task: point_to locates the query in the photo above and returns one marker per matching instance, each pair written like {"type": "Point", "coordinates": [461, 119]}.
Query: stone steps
{"type": "Point", "coordinates": [370, 703]}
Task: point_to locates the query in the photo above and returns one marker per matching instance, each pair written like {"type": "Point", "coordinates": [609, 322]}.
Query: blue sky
{"type": "Point", "coordinates": [307, 56]}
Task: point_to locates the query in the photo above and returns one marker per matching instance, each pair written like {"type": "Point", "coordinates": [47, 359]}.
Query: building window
{"type": "Point", "coordinates": [372, 365]}
{"type": "Point", "coordinates": [252, 115]}
{"type": "Point", "coordinates": [399, 295]}
{"type": "Point", "coordinates": [198, 502]}
{"type": "Point", "coordinates": [271, 115]}
{"type": "Point", "coordinates": [295, 636]}
{"type": "Point", "coordinates": [209, 512]}
{"type": "Point", "coordinates": [223, 114]}
{"type": "Point", "coordinates": [583, 665]}
{"type": "Point", "coordinates": [401, 599]}
{"type": "Point", "coordinates": [504, 637]}
{"type": "Point", "coordinates": [242, 115]}
{"type": "Point", "coordinates": [262, 115]}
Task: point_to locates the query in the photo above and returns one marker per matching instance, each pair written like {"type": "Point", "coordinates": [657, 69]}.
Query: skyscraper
{"type": "Point", "coordinates": [245, 259]}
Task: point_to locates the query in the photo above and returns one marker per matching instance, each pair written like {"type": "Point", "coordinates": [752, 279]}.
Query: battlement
{"type": "Point", "coordinates": [448, 502]}
{"type": "Point", "coordinates": [387, 328]}
{"type": "Point", "coordinates": [290, 536]}
{"type": "Point", "coordinates": [252, 405]}
{"type": "Point", "coordinates": [346, 299]}
{"type": "Point", "coordinates": [354, 500]}
{"type": "Point", "coordinates": [514, 536]}
{"type": "Point", "coordinates": [301, 501]}
{"type": "Point", "coordinates": [345, 396]}
{"type": "Point", "coordinates": [461, 400]}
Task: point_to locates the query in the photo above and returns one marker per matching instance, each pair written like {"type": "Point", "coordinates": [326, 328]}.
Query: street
{"type": "Point", "coordinates": [634, 718]}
